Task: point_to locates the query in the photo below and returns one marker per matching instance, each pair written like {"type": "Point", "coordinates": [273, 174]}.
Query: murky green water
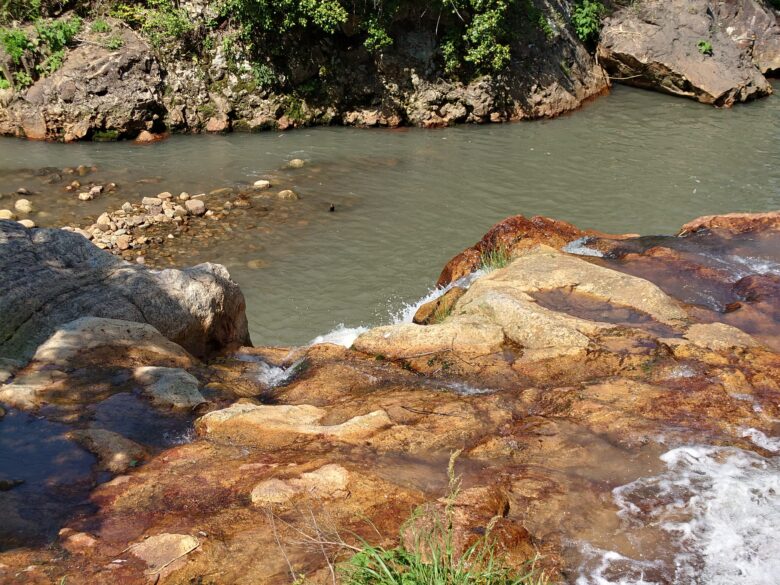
{"type": "Point", "coordinates": [408, 200]}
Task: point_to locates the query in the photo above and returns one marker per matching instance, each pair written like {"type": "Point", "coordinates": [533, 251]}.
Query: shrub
{"type": "Point", "coordinates": [4, 83]}
{"type": "Point", "coordinates": [159, 20]}
{"type": "Point", "coordinates": [586, 18]}
{"type": "Point", "coordinates": [57, 34]}
{"type": "Point", "coordinates": [15, 42]}
{"type": "Point", "coordinates": [19, 10]}
{"type": "Point", "coordinates": [705, 47]}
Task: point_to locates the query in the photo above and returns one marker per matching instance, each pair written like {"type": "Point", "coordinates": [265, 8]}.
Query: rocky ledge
{"type": "Point", "coordinates": [567, 365]}
{"type": "Point", "coordinates": [125, 86]}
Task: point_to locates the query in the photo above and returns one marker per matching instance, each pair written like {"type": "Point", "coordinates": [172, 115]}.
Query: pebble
{"type": "Point", "coordinates": [22, 191]}
{"type": "Point", "coordinates": [184, 196]}
{"type": "Point", "coordinates": [262, 184]}
{"type": "Point", "coordinates": [151, 201]}
{"type": "Point", "coordinates": [86, 196]}
{"type": "Point", "coordinates": [123, 242]}
{"type": "Point", "coordinates": [296, 163]}
{"type": "Point", "coordinates": [140, 260]}
{"type": "Point", "coordinates": [165, 196]}
{"type": "Point", "coordinates": [7, 214]}
{"type": "Point", "coordinates": [23, 206]}
{"type": "Point", "coordinates": [288, 195]}
{"type": "Point", "coordinates": [195, 206]}
{"type": "Point", "coordinates": [127, 207]}
{"type": "Point", "coordinates": [28, 223]}
{"type": "Point", "coordinates": [96, 190]}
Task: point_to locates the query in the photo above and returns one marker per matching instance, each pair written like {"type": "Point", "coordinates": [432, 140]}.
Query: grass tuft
{"type": "Point", "coordinates": [495, 258]}
{"type": "Point", "coordinates": [432, 559]}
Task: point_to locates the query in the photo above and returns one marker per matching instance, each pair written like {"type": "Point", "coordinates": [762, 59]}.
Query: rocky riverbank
{"type": "Point", "coordinates": [131, 79]}
{"type": "Point", "coordinates": [570, 364]}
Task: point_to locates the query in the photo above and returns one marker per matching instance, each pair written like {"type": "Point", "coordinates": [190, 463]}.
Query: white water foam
{"type": "Point", "coordinates": [741, 266]}
{"type": "Point", "coordinates": [759, 439]}
{"type": "Point", "coordinates": [580, 248]}
{"type": "Point", "coordinates": [718, 507]}
{"type": "Point", "coordinates": [341, 335]}
{"type": "Point", "coordinates": [346, 336]}
{"type": "Point", "coordinates": [270, 375]}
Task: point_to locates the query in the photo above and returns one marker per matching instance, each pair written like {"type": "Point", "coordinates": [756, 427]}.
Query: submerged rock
{"type": "Point", "coordinates": [53, 277]}
{"type": "Point", "coordinates": [693, 49]}
{"type": "Point", "coordinates": [116, 453]}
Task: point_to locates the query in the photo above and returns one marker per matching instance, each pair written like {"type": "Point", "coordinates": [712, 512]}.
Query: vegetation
{"type": "Point", "coordinates": [100, 26]}
{"type": "Point", "coordinates": [495, 258]}
{"type": "Point", "coordinates": [40, 53]}
{"type": "Point", "coordinates": [586, 19]}
{"type": "Point", "coordinates": [705, 47]}
{"type": "Point", "coordinates": [160, 20]}
{"type": "Point", "coordinates": [433, 558]}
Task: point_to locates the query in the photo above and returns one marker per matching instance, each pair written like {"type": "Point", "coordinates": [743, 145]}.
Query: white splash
{"type": "Point", "coordinates": [718, 507]}
{"type": "Point", "coordinates": [580, 248]}
{"type": "Point", "coordinates": [340, 335]}
{"type": "Point", "coordinates": [607, 567]}
{"type": "Point", "coordinates": [268, 374]}
{"type": "Point", "coordinates": [759, 439]}
{"type": "Point", "coordinates": [467, 390]}
{"type": "Point", "coordinates": [182, 438]}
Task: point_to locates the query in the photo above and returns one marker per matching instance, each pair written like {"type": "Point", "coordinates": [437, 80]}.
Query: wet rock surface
{"type": "Point", "coordinates": [563, 379]}
{"type": "Point", "coordinates": [712, 53]}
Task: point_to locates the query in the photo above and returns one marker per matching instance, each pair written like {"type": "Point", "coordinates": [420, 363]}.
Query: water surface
{"type": "Point", "coordinates": [408, 200]}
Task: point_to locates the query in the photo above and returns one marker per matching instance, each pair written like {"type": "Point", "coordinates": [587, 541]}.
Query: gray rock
{"type": "Point", "coordinates": [50, 277]}
{"type": "Point", "coordinates": [665, 45]}
{"type": "Point", "coordinates": [195, 206]}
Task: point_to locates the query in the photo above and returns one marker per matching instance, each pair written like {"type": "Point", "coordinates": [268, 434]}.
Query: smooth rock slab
{"type": "Point", "coordinates": [172, 387]}
{"type": "Point", "coordinates": [329, 481]}
{"type": "Point", "coordinates": [280, 425]}
{"type": "Point", "coordinates": [161, 551]}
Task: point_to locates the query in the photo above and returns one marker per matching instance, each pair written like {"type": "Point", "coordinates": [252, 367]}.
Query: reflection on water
{"type": "Point", "coordinates": [408, 200]}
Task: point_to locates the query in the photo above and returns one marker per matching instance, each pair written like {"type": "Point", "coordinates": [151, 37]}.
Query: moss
{"type": "Point", "coordinates": [105, 136]}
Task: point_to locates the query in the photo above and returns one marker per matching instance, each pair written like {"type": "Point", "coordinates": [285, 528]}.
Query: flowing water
{"type": "Point", "coordinates": [408, 200]}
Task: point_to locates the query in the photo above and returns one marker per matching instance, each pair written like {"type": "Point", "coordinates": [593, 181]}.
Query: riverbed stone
{"type": "Point", "coordinates": [7, 214]}
{"type": "Point", "coordinates": [28, 223]}
{"type": "Point", "coordinates": [288, 195]}
{"type": "Point", "coordinates": [162, 551]}
{"type": "Point", "coordinates": [296, 163]}
{"type": "Point", "coordinates": [195, 206]}
{"type": "Point", "coordinates": [23, 206]}
{"type": "Point", "coordinates": [262, 185]}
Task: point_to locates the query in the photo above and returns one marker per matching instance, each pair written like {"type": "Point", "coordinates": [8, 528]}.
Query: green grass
{"type": "Point", "coordinates": [433, 559]}
{"type": "Point", "coordinates": [705, 47]}
{"type": "Point", "coordinates": [495, 258]}
{"type": "Point", "coordinates": [100, 26]}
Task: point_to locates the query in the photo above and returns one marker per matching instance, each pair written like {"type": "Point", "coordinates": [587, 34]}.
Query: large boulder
{"type": "Point", "coordinates": [51, 277]}
{"type": "Point", "coordinates": [97, 90]}
{"type": "Point", "coordinates": [693, 48]}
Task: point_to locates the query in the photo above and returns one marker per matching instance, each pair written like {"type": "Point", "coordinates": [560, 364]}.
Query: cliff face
{"type": "Point", "coordinates": [120, 82]}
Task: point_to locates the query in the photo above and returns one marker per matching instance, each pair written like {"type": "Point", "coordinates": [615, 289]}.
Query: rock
{"type": "Point", "coordinates": [7, 214]}
{"type": "Point", "coordinates": [680, 47]}
{"type": "Point", "coordinates": [217, 124]}
{"type": "Point", "coordinates": [296, 163]}
{"type": "Point", "coordinates": [23, 191]}
{"type": "Point", "coordinates": [76, 542]}
{"type": "Point", "coordinates": [28, 223]}
{"type": "Point", "coordinates": [511, 234]}
{"type": "Point", "coordinates": [184, 196]}
{"type": "Point", "coordinates": [86, 196]}
{"type": "Point", "coordinates": [329, 481]}
{"type": "Point", "coordinates": [116, 453]}
{"type": "Point", "coordinates": [262, 184]}
{"type": "Point", "coordinates": [288, 195]}
{"type": "Point", "coordinates": [165, 196]}
{"type": "Point", "coordinates": [54, 277]}
{"type": "Point", "coordinates": [719, 336]}
{"type": "Point", "coordinates": [501, 305]}
{"type": "Point", "coordinates": [123, 242]}
{"type": "Point", "coordinates": [439, 308]}
{"type": "Point", "coordinates": [171, 387]}
{"type": "Point", "coordinates": [23, 206]}
{"type": "Point", "coordinates": [86, 334]}
{"type": "Point", "coordinates": [752, 24]}
{"type": "Point", "coordinates": [97, 93]}
{"type": "Point", "coordinates": [282, 424]}
{"type": "Point", "coordinates": [161, 552]}
{"type": "Point", "coordinates": [151, 201]}
{"type": "Point", "coordinates": [195, 207]}
{"type": "Point", "coordinates": [146, 137]}
{"type": "Point", "coordinates": [733, 223]}
{"type": "Point", "coordinates": [96, 190]}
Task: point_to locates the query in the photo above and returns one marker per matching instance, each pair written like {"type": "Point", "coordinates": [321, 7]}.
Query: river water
{"type": "Point", "coordinates": [408, 200]}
